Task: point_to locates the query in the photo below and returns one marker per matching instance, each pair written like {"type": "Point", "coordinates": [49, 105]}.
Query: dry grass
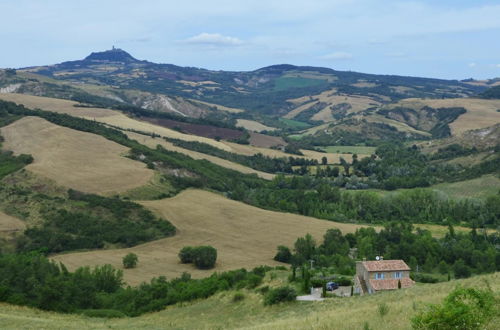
{"type": "Point", "coordinates": [57, 105]}
{"type": "Point", "coordinates": [244, 236]}
{"type": "Point", "coordinates": [480, 113]}
{"type": "Point", "coordinates": [75, 159]}
{"type": "Point", "coordinates": [10, 224]}
{"type": "Point", "coordinates": [253, 125]}
{"type": "Point", "coordinates": [152, 143]}
{"type": "Point", "coordinates": [220, 312]}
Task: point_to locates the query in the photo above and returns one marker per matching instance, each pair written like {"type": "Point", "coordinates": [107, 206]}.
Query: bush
{"type": "Point", "coordinates": [283, 254]}
{"type": "Point", "coordinates": [281, 294]}
{"type": "Point", "coordinates": [423, 278]}
{"type": "Point", "coordinates": [461, 270]}
{"type": "Point", "coordinates": [204, 257]}
{"type": "Point", "coordinates": [130, 260]}
{"type": "Point", "coordinates": [238, 296]}
{"type": "Point", "coordinates": [186, 254]}
{"type": "Point", "coordinates": [343, 281]}
{"type": "Point", "coordinates": [463, 309]}
{"type": "Point", "coordinates": [383, 309]}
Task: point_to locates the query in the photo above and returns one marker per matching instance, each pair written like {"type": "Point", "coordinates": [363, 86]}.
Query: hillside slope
{"type": "Point", "coordinates": [220, 312]}
{"type": "Point", "coordinates": [245, 236]}
{"type": "Point", "coordinates": [75, 159]}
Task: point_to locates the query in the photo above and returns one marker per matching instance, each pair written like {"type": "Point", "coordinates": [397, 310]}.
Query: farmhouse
{"type": "Point", "coordinates": [379, 275]}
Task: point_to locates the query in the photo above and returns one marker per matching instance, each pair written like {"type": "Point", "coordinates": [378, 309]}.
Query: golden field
{"type": "Point", "coordinates": [75, 159]}
{"type": "Point", "coordinates": [244, 236]}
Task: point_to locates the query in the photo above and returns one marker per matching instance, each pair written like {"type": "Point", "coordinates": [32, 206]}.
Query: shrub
{"type": "Point", "coordinates": [344, 281]}
{"type": "Point", "coordinates": [383, 309]}
{"type": "Point", "coordinates": [460, 269]}
{"type": "Point", "coordinates": [130, 260]}
{"type": "Point", "coordinates": [462, 309]}
{"type": "Point", "coordinates": [186, 254]}
{"type": "Point", "coordinates": [281, 294]}
{"type": "Point", "coordinates": [204, 257]}
{"type": "Point", "coordinates": [238, 296]}
{"type": "Point", "coordinates": [283, 254]}
{"type": "Point", "coordinates": [423, 278]}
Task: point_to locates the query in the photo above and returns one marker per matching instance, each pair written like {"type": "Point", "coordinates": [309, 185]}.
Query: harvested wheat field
{"type": "Point", "coordinates": [75, 159]}
{"type": "Point", "coordinates": [480, 113]}
{"type": "Point", "coordinates": [57, 105]}
{"type": "Point", "coordinates": [10, 224]}
{"type": "Point", "coordinates": [244, 236]}
{"type": "Point", "coordinates": [253, 125]}
{"type": "Point", "coordinates": [106, 116]}
{"type": "Point", "coordinates": [152, 143]}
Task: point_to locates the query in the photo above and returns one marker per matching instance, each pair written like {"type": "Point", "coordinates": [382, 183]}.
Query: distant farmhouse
{"type": "Point", "coordinates": [379, 275]}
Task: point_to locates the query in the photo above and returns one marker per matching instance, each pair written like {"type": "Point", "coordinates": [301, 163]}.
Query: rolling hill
{"type": "Point", "coordinates": [244, 236]}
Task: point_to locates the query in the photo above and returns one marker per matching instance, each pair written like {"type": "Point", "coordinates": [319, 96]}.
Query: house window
{"type": "Point", "coordinates": [379, 276]}
{"type": "Point", "coordinates": [398, 275]}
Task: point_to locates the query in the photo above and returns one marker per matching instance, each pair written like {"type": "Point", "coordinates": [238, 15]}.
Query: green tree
{"type": "Point", "coordinates": [130, 260]}
{"type": "Point", "coordinates": [186, 254]}
{"type": "Point", "coordinates": [324, 160]}
{"type": "Point", "coordinates": [283, 254]}
{"type": "Point", "coordinates": [204, 257]}
{"type": "Point", "coordinates": [460, 269]}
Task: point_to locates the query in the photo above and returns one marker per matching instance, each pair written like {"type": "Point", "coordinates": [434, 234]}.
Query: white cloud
{"type": "Point", "coordinates": [213, 39]}
{"type": "Point", "coordinates": [336, 56]}
{"type": "Point", "coordinates": [498, 65]}
{"type": "Point", "coordinates": [472, 65]}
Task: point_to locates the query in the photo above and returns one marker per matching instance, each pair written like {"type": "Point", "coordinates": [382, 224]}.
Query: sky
{"type": "Point", "coordinates": [451, 39]}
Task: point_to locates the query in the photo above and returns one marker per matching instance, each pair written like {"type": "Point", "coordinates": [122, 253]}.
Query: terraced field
{"type": "Point", "coordinates": [244, 236]}
{"type": "Point", "coordinates": [75, 159]}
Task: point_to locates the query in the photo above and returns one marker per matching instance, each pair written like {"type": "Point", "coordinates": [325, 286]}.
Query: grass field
{"type": "Point", "coordinates": [244, 236]}
{"type": "Point", "coordinates": [75, 159]}
{"type": "Point", "coordinates": [475, 188]}
{"type": "Point", "coordinates": [480, 113]}
{"type": "Point", "coordinates": [220, 312]}
{"type": "Point", "coordinates": [253, 125]}
{"type": "Point", "coordinates": [350, 149]}
{"type": "Point", "coordinates": [152, 143]}
{"type": "Point", "coordinates": [295, 123]}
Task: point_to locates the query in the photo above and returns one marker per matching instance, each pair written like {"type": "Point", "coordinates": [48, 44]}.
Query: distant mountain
{"type": "Point", "coordinates": [113, 55]}
{"type": "Point", "coordinates": [266, 90]}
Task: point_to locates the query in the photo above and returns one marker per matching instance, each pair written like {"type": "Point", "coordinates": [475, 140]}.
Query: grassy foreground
{"type": "Point", "coordinates": [220, 312]}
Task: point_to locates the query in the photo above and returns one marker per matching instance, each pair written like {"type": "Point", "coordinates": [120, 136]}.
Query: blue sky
{"type": "Point", "coordinates": [453, 39]}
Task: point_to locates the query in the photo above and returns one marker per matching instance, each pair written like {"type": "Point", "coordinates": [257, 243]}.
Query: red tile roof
{"type": "Point", "coordinates": [385, 265]}
{"type": "Point", "coordinates": [391, 284]}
